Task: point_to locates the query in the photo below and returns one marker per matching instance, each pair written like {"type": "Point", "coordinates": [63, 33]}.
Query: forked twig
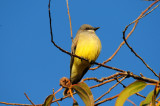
{"type": "Point", "coordinates": [109, 89]}
{"type": "Point", "coordinates": [55, 97]}
{"type": "Point", "coordinates": [105, 82]}
{"type": "Point", "coordinates": [107, 99]}
{"type": "Point", "coordinates": [29, 99]}
{"type": "Point", "coordinates": [102, 79]}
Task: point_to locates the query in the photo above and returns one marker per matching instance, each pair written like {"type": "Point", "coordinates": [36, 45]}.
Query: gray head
{"type": "Point", "coordinates": [86, 27]}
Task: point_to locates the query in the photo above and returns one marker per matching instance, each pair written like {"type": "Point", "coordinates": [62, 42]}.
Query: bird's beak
{"type": "Point", "coordinates": [96, 28]}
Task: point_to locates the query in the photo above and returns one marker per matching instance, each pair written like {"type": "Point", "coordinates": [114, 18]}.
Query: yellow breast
{"type": "Point", "coordinates": [88, 46]}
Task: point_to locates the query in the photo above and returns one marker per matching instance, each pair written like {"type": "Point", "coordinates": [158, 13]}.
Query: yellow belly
{"type": "Point", "coordinates": [88, 47]}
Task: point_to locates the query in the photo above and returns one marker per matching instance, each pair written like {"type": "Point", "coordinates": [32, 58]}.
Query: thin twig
{"type": "Point", "coordinates": [29, 99]}
{"type": "Point", "coordinates": [105, 82]}
{"type": "Point", "coordinates": [121, 83]}
{"type": "Point", "coordinates": [17, 104]}
{"type": "Point", "coordinates": [102, 79]}
{"type": "Point", "coordinates": [109, 89]}
{"type": "Point", "coordinates": [138, 94]}
{"type": "Point", "coordinates": [69, 20]}
{"type": "Point", "coordinates": [130, 74]}
{"type": "Point", "coordinates": [142, 16]}
{"type": "Point", "coordinates": [55, 97]}
{"type": "Point", "coordinates": [58, 90]}
{"type": "Point", "coordinates": [60, 99]}
{"type": "Point", "coordinates": [131, 102]}
{"type": "Point", "coordinates": [113, 68]}
{"type": "Point", "coordinates": [56, 101]}
{"type": "Point", "coordinates": [107, 99]}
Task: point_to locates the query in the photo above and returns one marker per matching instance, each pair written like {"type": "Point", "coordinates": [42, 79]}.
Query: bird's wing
{"type": "Point", "coordinates": [73, 49]}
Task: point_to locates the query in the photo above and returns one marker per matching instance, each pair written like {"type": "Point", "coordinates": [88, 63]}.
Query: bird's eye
{"type": "Point", "coordinates": [87, 28]}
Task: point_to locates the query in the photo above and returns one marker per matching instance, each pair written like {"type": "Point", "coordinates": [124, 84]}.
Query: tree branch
{"type": "Point", "coordinates": [136, 21]}
{"type": "Point", "coordinates": [29, 99]}
{"type": "Point", "coordinates": [69, 20]}
{"type": "Point", "coordinates": [109, 89]}
{"type": "Point", "coordinates": [107, 99]}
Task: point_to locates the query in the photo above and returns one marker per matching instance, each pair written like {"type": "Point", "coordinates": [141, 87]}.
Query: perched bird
{"type": "Point", "coordinates": [87, 45]}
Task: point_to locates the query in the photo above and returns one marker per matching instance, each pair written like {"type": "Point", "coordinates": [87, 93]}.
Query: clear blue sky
{"type": "Point", "coordinates": [30, 63]}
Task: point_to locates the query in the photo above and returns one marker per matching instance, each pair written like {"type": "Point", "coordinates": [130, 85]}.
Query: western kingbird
{"type": "Point", "coordinates": [87, 45]}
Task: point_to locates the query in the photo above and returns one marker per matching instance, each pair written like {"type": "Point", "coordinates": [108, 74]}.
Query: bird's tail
{"type": "Point", "coordinates": [66, 92]}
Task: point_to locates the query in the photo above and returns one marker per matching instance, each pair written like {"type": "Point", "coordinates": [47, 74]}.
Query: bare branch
{"type": "Point", "coordinates": [131, 102]}
{"type": "Point", "coordinates": [69, 20]}
{"type": "Point", "coordinates": [109, 89]}
{"type": "Point", "coordinates": [17, 104]}
{"type": "Point", "coordinates": [130, 74]}
{"type": "Point", "coordinates": [60, 99]}
{"type": "Point", "coordinates": [29, 99]}
{"type": "Point", "coordinates": [102, 79]}
{"type": "Point", "coordinates": [55, 97]}
{"type": "Point", "coordinates": [104, 82]}
{"type": "Point", "coordinates": [107, 99]}
{"type": "Point", "coordinates": [125, 40]}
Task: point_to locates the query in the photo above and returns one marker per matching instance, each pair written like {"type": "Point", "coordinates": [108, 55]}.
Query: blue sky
{"type": "Point", "coordinates": [30, 63]}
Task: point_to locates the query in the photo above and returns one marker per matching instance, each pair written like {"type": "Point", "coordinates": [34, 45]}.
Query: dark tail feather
{"type": "Point", "coordinates": [65, 92]}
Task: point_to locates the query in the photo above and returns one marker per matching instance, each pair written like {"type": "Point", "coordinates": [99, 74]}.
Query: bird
{"type": "Point", "coordinates": [87, 45]}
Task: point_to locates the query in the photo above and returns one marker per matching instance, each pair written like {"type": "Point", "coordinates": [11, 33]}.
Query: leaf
{"type": "Point", "coordinates": [148, 99]}
{"type": "Point", "coordinates": [48, 100]}
{"type": "Point", "coordinates": [130, 90]}
{"type": "Point", "coordinates": [84, 92]}
{"type": "Point", "coordinates": [156, 91]}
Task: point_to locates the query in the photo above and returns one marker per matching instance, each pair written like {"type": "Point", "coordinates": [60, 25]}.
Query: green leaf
{"type": "Point", "coordinates": [130, 90]}
{"type": "Point", "coordinates": [48, 100]}
{"type": "Point", "coordinates": [156, 92]}
{"type": "Point", "coordinates": [148, 99]}
{"type": "Point", "coordinates": [84, 92]}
